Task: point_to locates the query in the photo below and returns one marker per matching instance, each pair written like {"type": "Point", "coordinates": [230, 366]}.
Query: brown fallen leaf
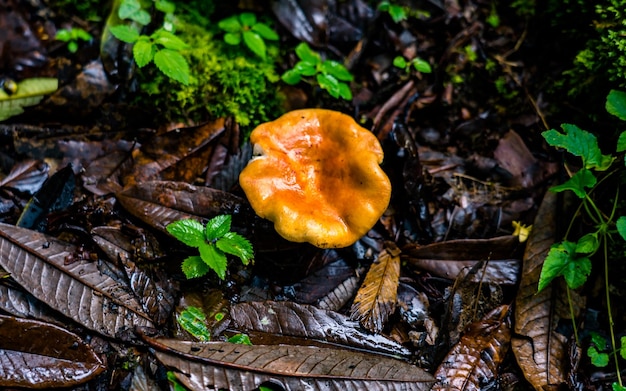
{"type": "Point", "coordinates": [306, 321]}
{"type": "Point", "coordinates": [541, 351]}
{"type": "Point", "coordinates": [77, 289]}
{"type": "Point", "coordinates": [225, 365]}
{"type": "Point", "coordinates": [26, 176]}
{"type": "Point", "coordinates": [16, 301]}
{"type": "Point", "coordinates": [475, 359]}
{"type": "Point", "coordinates": [35, 354]}
{"type": "Point", "coordinates": [376, 299]}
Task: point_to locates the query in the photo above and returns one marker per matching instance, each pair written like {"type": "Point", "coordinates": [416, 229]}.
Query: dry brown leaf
{"type": "Point", "coordinates": [475, 359]}
{"type": "Point", "coordinates": [376, 299]}
{"type": "Point", "coordinates": [231, 366]}
{"type": "Point", "coordinates": [540, 350]}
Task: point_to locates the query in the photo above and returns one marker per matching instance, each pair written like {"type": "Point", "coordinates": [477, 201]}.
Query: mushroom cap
{"type": "Point", "coordinates": [316, 174]}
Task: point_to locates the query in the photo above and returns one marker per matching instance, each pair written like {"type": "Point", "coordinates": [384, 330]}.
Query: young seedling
{"type": "Point", "coordinates": [246, 28]}
{"type": "Point", "coordinates": [330, 75]}
{"type": "Point", "coordinates": [213, 242]}
{"type": "Point", "coordinates": [572, 259]}
{"type": "Point", "coordinates": [72, 36]}
{"type": "Point", "coordinates": [420, 65]}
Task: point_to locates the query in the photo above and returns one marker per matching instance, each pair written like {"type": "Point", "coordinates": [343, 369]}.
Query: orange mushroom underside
{"type": "Point", "coordinates": [316, 174]}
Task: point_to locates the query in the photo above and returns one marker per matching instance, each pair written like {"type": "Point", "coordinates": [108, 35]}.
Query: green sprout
{"type": "Point", "coordinates": [397, 12]}
{"type": "Point", "coordinates": [213, 242]}
{"type": "Point", "coordinates": [246, 28]}
{"type": "Point", "coordinates": [420, 65]}
{"type": "Point", "coordinates": [72, 36]}
{"type": "Point", "coordinates": [330, 75]}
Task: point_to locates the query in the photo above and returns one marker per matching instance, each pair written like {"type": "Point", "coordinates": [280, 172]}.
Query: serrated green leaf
{"type": "Point", "coordinates": [188, 231]}
{"type": "Point", "coordinates": [29, 92]}
{"type": "Point", "coordinates": [621, 226]}
{"type": "Point", "coordinates": [194, 267]}
{"type": "Point", "coordinates": [173, 65]}
{"type": "Point", "coordinates": [125, 33]}
{"type": "Point", "coordinates": [217, 227]}
{"type": "Point", "coordinates": [214, 258]}
{"type": "Point", "coordinates": [580, 143]}
{"type": "Point", "coordinates": [143, 52]}
{"type": "Point", "coordinates": [128, 8]}
{"type": "Point", "coordinates": [235, 244]}
{"type": "Point", "coordinates": [265, 31]}
{"type": "Point", "coordinates": [422, 65]}
{"type": "Point", "coordinates": [232, 38]}
{"type": "Point", "coordinates": [562, 261]}
{"type": "Point", "coordinates": [598, 359]}
{"type": "Point", "coordinates": [305, 68]}
{"type": "Point", "coordinates": [291, 77]}
{"type": "Point", "coordinates": [577, 183]}
{"type": "Point", "coordinates": [230, 24]}
{"type": "Point", "coordinates": [587, 243]}
{"type": "Point", "coordinates": [241, 339]}
{"type": "Point", "coordinates": [247, 19]}
{"type": "Point", "coordinates": [193, 320]}
{"type": "Point", "coordinates": [616, 104]}
{"type": "Point", "coordinates": [337, 70]}
{"type": "Point", "coordinates": [329, 83]}
{"type": "Point", "coordinates": [304, 53]}
{"type": "Point", "coordinates": [255, 43]}
{"type": "Point", "coordinates": [168, 40]}
{"type": "Point", "coordinates": [399, 62]}
{"type": "Point", "coordinates": [344, 91]}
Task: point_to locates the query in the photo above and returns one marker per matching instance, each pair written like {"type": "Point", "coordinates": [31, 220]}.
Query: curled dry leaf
{"type": "Point", "coordinates": [306, 321]}
{"type": "Point", "coordinates": [243, 367]}
{"type": "Point", "coordinates": [35, 354]}
{"type": "Point", "coordinates": [475, 359]}
{"type": "Point", "coordinates": [540, 350]}
{"type": "Point", "coordinates": [79, 290]}
{"type": "Point", "coordinates": [376, 299]}
{"type": "Point", "coordinates": [26, 176]}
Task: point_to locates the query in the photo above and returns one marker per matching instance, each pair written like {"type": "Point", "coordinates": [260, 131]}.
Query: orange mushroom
{"type": "Point", "coordinates": [316, 174]}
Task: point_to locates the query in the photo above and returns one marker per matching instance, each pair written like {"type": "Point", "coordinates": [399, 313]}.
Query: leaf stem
{"type": "Point", "coordinates": [608, 305]}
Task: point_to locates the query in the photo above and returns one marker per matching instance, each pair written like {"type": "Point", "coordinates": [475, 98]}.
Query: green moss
{"type": "Point", "coordinates": [225, 82]}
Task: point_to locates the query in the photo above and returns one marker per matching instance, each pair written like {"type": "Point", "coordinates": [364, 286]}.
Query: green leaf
{"type": "Point", "coordinates": [143, 52]}
{"type": "Point", "coordinates": [255, 43]}
{"type": "Point", "coordinates": [621, 226]}
{"type": "Point", "coordinates": [247, 19]}
{"type": "Point", "coordinates": [397, 13]}
{"type": "Point", "coordinates": [165, 6]}
{"type": "Point", "coordinates": [265, 31]}
{"type": "Point", "coordinates": [344, 91]}
{"type": "Point", "coordinates": [168, 40]}
{"type": "Point", "coordinates": [329, 83]}
{"type": "Point", "coordinates": [383, 6]}
{"type": "Point", "coordinates": [621, 142]}
{"type": "Point", "coordinates": [241, 339]}
{"type": "Point", "coordinates": [29, 92]}
{"type": "Point", "coordinates": [214, 258]}
{"type": "Point", "coordinates": [421, 65]}
{"type": "Point", "coordinates": [232, 38]}
{"type": "Point", "coordinates": [72, 46]}
{"type": "Point", "coordinates": [171, 378]}
{"type": "Point", "coordinates": [194, 267]}
{"type": "Point", "coordinates": [598, 359]}
{"type": "Point", "coordinates": [193, 320]}
{"type": "Point", "coordinates": [399, 62]}
{"type": "Point", "coordinates": [622, 347]}
{"type": "Point", "coordinates": [587, 243]}
{"type": "Point", "coordinates": [305, 68]}
{"type": "Point", "coordinates": [337, 70]}
{"type": "Point", "coordinates": [128, 8]}
{"type": "Point", "coordinates": [125, 33]}
{"type": "Point", "coordinates": [82, 34]}
{"type": "Point", "coordinates": [304, 53]}
{"type": "Point", "coordinates": [291, 77]}
{"type": "Point", "coordinates": [173, 65]}
{"type": "Point", "coordinates": [562, 261]}
{"type": "Point", "coordinates": [616, 104]}
{"type": "Point", "coordinates": [577, 183]}
{"type": "Point", "coordinates": [63, 35]}
{"type": "Point", "coordinates": [235, 244]}
{"type": "Point", "coordinates": [580, 143]}
{"type": "Point", "coordinates": [142, 17]}
{"type": "Point", "coordinates": [617, 387]}
{"type": "Point", "coordinates": [230, 25]}
{"type": "Point", "coordinates": [217, 227]}
{"type": "Point", "coordinates": [598, 341]}
{"type": "Point", "coordinates": [188, 231]}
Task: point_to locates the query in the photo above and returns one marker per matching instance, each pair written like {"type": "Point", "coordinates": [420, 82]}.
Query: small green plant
{"type": "Point", "coordinates": [571, 259]}
{"type": "Point", "coordinates": [72, 36]}
{"type": "Point", "coordinates": [162, 46]}
{"type": "Point", "coordinates": [245, 28]}
{"type": "Point", "coordinates": [176, 386]}
{"type": "Point", "coordinates": [399, 13]}
{"type": "Point", "coordinates": [417, 63]}
{"type": "Point", "coordinates": [213, 242]}
{"type": "Point", "coordinates": [330, 75]}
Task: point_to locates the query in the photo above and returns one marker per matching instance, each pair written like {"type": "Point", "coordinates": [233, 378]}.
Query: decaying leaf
{"type": "Point", "coordinates": [35, 354]}
{"type": "Point", "coordinates": [475, 359]}
{"type": "Point", "coordinates": [231, 366]}
{"type": "Point", "coordinates": [26, 176]}
{"type": "Point", "coordinates": [77, 289]}
{"type": "Point", "coordinates": [376, 299]}
{"type": "Point", "coordinates": [540, 350]}
{"type": "Point", "coordinates": [306, 321]}
{"type": "Point", "coordinates": [15, 301]}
